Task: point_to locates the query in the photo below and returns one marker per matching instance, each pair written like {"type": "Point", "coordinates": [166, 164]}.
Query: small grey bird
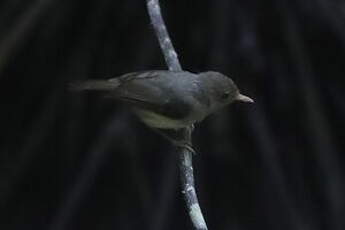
{"type": "Point", "coordinates": [169, 100]}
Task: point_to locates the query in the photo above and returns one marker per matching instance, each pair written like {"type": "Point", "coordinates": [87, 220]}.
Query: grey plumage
{"type": "Point", "coordinates": [167, 99]}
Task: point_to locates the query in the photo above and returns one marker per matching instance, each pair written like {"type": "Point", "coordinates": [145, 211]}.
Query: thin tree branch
{"type": "Point", "coordinates": [163, 36]}
{"type": "Point", "coordinates": [186, 156]}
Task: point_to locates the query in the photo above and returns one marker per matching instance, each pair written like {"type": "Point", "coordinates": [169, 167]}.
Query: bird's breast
{"type": "Point", "coordinates": [156, 120]}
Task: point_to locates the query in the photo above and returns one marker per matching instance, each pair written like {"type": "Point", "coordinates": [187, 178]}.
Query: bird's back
{"type": "Point", "coordinates": [175, 95]}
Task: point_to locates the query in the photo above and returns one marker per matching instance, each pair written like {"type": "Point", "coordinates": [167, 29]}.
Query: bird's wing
{"type": "Point", "coordinates": [151, 90]}
{"type": "Point", "coordinates": [140, 75]}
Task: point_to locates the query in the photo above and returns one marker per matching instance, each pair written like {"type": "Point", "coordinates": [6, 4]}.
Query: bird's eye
{"type": "Point", "coordinates": [225, 95]}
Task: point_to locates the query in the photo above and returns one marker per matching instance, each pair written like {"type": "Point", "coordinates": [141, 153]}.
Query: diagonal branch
{"type": "Point", "coordinates": [186, 163]}
{"type": "Point", "coordinates": [163, 36]}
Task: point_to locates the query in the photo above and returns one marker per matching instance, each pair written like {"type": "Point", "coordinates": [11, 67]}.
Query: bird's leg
{"type": "Point", "coordinates": [178, 137]}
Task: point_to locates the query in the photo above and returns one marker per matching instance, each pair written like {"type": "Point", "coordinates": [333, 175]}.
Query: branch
{"type": "Point", "coordinates": [187, 178]}
{"type": "Point", "coordinates": [168, 50]}
{"type": "Point", "coordinates": [186, 156]}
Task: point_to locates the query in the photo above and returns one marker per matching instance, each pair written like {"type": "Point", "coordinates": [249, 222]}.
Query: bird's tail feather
{"type": "Point", "coordinates": [98, 85]}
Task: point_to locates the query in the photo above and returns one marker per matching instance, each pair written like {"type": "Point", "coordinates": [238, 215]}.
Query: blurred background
{"type": "Point", "coordinates": [79, 161]}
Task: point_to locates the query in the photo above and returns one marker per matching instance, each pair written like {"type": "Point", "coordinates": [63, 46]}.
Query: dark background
{"type": "Point", "coordinates": [78, 161]}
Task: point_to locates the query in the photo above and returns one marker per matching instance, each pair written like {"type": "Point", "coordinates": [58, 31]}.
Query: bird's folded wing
{"type": "Point", "coordinates": [153, 93]}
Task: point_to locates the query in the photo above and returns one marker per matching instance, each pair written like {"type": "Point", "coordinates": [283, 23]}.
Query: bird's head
{"type": "Point", "coordinates": [222, 90]}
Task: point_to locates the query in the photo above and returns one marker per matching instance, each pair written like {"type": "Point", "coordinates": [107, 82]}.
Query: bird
{"type": "Point", "coordinates": [166, 100]}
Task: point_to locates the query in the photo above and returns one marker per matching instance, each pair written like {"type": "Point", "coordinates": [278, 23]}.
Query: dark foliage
{"type": "Point", "coordinates": [79, 161]}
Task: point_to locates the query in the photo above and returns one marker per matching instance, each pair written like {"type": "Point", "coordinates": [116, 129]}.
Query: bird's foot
{"type": "Point", "coordinates": [180, 138]}
{"type": "Point", "coordinates": [185, 145]}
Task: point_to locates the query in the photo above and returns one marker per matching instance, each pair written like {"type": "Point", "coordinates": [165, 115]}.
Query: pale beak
{"type": "Point", "coordinates": [244, 98]}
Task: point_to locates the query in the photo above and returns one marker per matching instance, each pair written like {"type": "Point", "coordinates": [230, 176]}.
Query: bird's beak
{"type": "Point", "coordinates": [244, 98]}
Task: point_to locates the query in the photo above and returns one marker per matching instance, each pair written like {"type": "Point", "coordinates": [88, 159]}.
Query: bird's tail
{"type": "Point", "coordinates": [98, 85]}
